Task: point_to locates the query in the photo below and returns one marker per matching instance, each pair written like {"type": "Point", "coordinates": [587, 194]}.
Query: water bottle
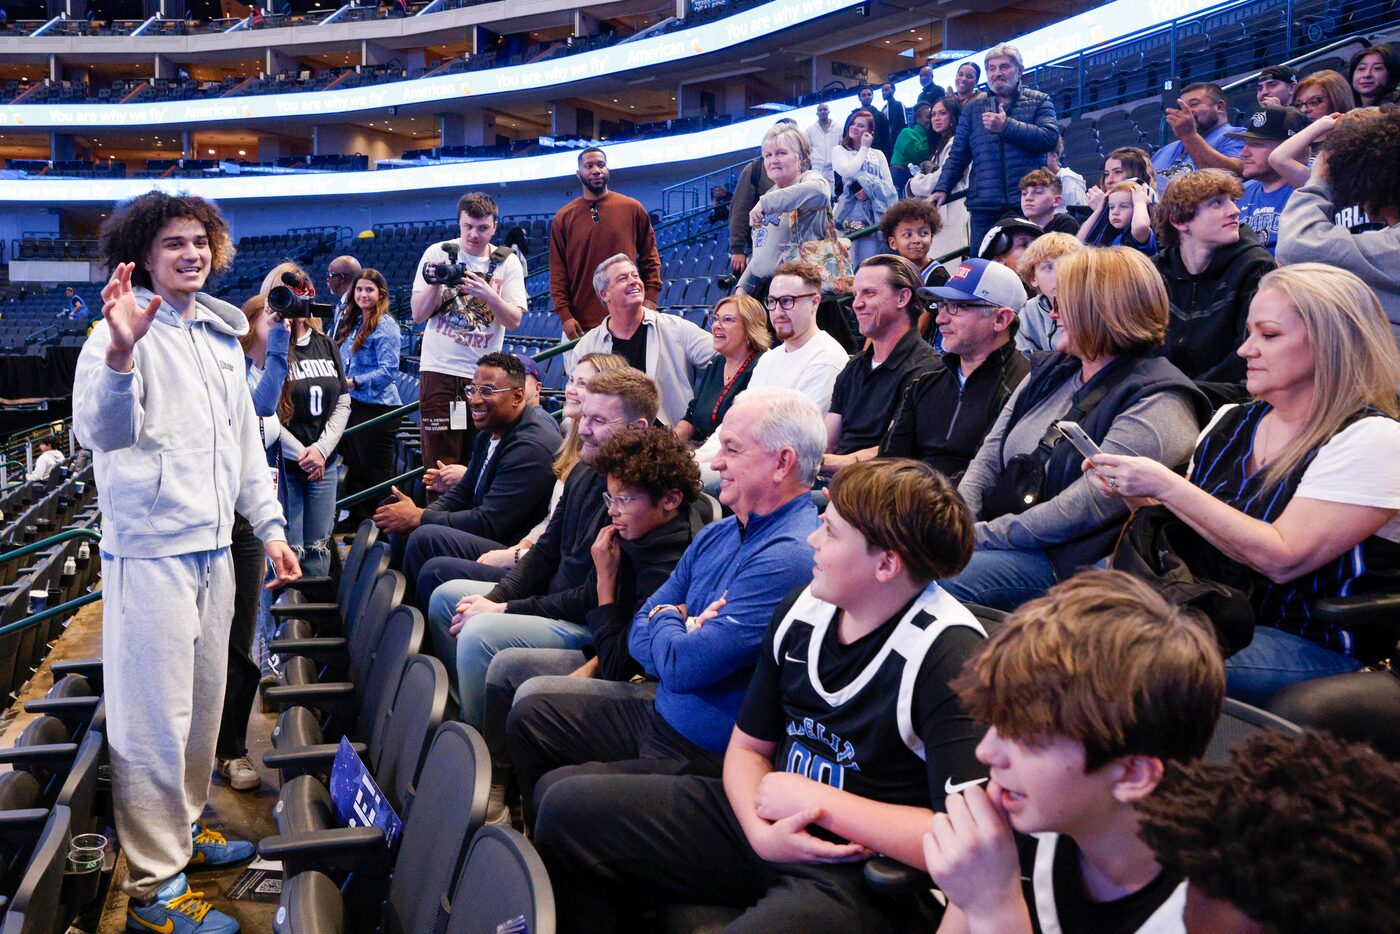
{"type": "Point", "coordinates": [70, 567]}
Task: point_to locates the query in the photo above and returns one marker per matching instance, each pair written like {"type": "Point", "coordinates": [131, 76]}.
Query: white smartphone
{"type": "Point", "coordinates": [1077, 437]}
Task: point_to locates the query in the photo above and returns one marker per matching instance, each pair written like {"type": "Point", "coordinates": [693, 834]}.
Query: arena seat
{"type": "Point", "coordinates": [1363, 707]}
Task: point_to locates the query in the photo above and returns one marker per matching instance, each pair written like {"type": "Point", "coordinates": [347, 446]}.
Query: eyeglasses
{"type": "Point", "coordinates": [1313, 102]}
{"type": "Point", "coordinates": [726, 320]}
{"type": "Point", "coordinates": [609, 501]}
{"type": "Point", "coordinates": [593, 209]}
{"type": "Point", "coordinates": [337, 275]}
{"type": "Point", "coordinates": [785, 302]}
{"type": "Point", "coordinates": [956, 309]}
{"type": "Point", "coordinates": [487, 393]}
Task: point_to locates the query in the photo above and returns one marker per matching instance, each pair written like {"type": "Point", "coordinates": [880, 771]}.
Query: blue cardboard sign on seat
{"type": "Point", "coordinates": [357, 799]}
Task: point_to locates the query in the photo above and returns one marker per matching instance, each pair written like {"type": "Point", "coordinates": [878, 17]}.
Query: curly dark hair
{"type": "Point", "coordinates": [1298, 832]}
{"type": "Point", "coordinates": [910, 209]}
{"type": "Point", "coordinates": [127, 236]}
{"type": "Point", "coordinates": [1363, 160]}
{"type": "Point", "coordinates": [653, 460]}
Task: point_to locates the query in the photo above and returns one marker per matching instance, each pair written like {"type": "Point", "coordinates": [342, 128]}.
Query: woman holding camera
{"type": "Point", "coordinates": [1040, 520]}
{"type": "Point", "coordinates": [1302, 485]}
{"type": "Point", "coordinates": [369, 342]}
{"type": "Point", "coordinates": [314, 409]}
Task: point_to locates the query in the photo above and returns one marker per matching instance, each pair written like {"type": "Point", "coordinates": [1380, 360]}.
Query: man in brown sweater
{"type": "Point", "coordinates": [589, 229]}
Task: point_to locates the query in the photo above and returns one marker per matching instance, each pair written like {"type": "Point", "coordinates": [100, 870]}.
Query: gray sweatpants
{"type": "Point", "coordinates": [165, 626]}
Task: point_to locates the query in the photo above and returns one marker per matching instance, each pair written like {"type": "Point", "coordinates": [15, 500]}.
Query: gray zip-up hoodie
{"type": "Point", "coordinates": [175, 443]}
{"type": "Point", "coordinates": [1307, 233]}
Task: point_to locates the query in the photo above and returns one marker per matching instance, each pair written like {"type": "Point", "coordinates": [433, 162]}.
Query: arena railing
{"type": "Point", "coordinates": [61, 609]}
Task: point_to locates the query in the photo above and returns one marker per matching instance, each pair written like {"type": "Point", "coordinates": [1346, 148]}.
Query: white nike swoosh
{"type": "Point", "coordinates": [950, 789]}
{"type": "Point", "coordinates": [800, 661]}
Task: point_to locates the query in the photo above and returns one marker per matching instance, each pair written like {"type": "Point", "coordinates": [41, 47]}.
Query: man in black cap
{"type": "Point", "coordinates": [1265, 191]}
{"type": "Point", "coordinates": [1274, 86]}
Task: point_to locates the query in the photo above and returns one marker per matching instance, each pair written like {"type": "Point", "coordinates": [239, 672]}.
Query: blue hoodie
{"type": "Point", "coordinates": [705, 673]}
{"type": "Point", "coordinates": [175, 443]}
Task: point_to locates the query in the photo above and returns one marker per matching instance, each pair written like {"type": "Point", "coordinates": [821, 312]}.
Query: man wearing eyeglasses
{"type": "Point", "coordinates": [340, 279]}
{"type": "Point", "coordinates": [887, 305]}
{"type": "Point", "coordinates": [533, 605]}
{"type": "Point", "coordinates": [597, 224]}
{"type": "Point", "coordinates": [504, 492]}
{"type": "Point", "coordinates": [945, 414]}
{"type": "Point", "coordinates": [809, 358]}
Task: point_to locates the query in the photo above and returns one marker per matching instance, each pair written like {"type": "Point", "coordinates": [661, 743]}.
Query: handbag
{"type": "Point", "coordinates": [1190, 572]}
{"type": "Point", "coordinates": [832, 256]}
{"type": "Point", "coordinates": [1021, 483]}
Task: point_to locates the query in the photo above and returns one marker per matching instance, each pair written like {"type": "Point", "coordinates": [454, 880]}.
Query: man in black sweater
{"type": "Point", "coordinates": [471, 621]}
{"type": "Point", "coordinates": [946, 413]}
{"type": "Point", "coordinates": [503, 493]}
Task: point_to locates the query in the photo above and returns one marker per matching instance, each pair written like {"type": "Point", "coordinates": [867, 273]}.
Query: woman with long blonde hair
{"type": "Point", "coordinates": [1301, 486]}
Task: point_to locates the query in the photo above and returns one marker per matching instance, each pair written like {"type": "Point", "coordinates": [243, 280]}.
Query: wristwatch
{"type": "Point", "coordinates": [664, 606]}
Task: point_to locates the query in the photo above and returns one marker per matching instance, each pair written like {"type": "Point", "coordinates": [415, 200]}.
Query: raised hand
{"type": "Point", "coordinates": [127, 321]}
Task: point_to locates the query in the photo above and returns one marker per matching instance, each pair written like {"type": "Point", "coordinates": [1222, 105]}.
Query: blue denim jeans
{"type": "Point", "coordinates": [310, 508]}
{"type": "Point", "coordinates": [1002, 579]}
{"type": "Point", "coordinates": [1274, 659]}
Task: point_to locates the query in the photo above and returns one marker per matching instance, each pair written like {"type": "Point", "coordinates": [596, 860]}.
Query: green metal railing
{"type": "Point", "coordinates": [64, 608]}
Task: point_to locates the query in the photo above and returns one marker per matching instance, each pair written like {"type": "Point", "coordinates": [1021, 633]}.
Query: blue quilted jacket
{"type": "Point", "coordinates": [999, 160]}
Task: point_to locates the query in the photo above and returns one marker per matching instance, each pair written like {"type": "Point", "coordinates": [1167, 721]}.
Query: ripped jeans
{"type": "Point", "coordinates": [310, 508]}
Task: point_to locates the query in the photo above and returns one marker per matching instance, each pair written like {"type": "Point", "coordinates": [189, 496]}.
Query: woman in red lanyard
{"type": "Point", "coordinates": [739, 327]}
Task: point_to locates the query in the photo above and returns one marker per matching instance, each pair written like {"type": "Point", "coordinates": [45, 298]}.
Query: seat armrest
{"type": "Point", "coordinates": [306, 611]}
{"type": "Point", "coordinates": [317, 758]}
{"type": "Point", "coordinates": [22, 826]}
{"type": "Point", "coordinates": [49, 754]}
{"type": "Point", "coordinates": [336, 698]}
{"type": "Point", "coordinates": [1361, 611]}
{"type": "Point", "coordinates": [320, 589]}
{"type": "Point", "coordinates": [891, 878]}
{"type": "Point", "coordinates": [317, 648]}
{"type": "Point", "coordinates": [348, 849]}
{"type": "Point", "coordinates": [90, 668]}
{"type": "Point", "coordinates": [75, 713]}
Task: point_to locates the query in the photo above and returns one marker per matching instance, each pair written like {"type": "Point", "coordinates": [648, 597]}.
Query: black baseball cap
{"type": "Point", "coordinates": [1277, 73]}
{"type": "Point", "coordinates": [1272, 124]}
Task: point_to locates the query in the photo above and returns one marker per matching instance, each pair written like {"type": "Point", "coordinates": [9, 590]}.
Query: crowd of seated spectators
{"type": "Point", "coordinates": [737, 626]}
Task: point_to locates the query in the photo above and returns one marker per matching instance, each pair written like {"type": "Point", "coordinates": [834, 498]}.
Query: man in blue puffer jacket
{"type": "Point", "coordinates": [1004, 135]}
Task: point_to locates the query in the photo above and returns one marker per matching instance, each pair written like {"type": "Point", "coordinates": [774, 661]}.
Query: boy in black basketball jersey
{"type": "Point", "coordinates": [849, 733]}
{"type": "Point", "coordinates": [1087, 692]}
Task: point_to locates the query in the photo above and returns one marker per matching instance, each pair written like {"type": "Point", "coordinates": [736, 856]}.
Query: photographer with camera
{"type": "Point", "coordinates": [468, 293]}
{"type": "Point", "coordinates": [314, 409]}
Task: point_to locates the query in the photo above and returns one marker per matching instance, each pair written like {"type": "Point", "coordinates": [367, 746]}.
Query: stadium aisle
{"type": "Point", "coordinates": [247, 815]}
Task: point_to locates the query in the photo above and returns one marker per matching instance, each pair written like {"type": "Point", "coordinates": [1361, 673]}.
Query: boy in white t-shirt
{"type": "Point", "coordinates": [462, 322]}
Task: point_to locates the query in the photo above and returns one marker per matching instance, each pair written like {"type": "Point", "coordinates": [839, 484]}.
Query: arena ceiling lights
{"type": "Point", "coordinates": [1078, 32]}
{"type": "Point", "coordinates": [716, 36]}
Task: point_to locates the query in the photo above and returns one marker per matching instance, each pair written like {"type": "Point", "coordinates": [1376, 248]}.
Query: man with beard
{"type": "Point", "coordinates": [1205, 139]}
{"type": "Point", "coordinates": [1002, 136]}
{"type": "Point", "coordinates": [594, 226]}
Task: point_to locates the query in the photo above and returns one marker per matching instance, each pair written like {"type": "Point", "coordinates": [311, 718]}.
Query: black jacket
{"type": "Point", "coordinates": [516, 485]}
{"type": "Point", "coordinates": [646, 564]}
{"type": "Point", "coordinates": [943, 423]}
{"type": "Point", "coordinates": [1130, 379]}
{"type": "Point", "coordinates": [1208, 310]}
{"type": "Point", "coordinates": [562, 557]}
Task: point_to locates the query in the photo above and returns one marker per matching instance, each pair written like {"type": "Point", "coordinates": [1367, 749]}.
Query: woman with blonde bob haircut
{"type": "Point", "coordinates": [1039, 519]}
{"type": "Point", "coordinates": [794, 210]}
{"type": "Point", "coordinates": [1301, 487]}
{"type": "Point", "coordinates": [739, 328]}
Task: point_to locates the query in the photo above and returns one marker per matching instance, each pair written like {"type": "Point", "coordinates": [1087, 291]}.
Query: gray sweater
{"type": "Point", "coordinates": [1307, 234]}
{"type": "Point", "coordinates": [1162, 427]}
{"type": "Point", "coordinates": [808, 200]}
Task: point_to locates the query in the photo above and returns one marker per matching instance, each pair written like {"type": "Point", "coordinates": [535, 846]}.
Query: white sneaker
{"type": "Point", "coordinates": [241, 774]}
{"type": "Point", "coordinates": [496, 811]}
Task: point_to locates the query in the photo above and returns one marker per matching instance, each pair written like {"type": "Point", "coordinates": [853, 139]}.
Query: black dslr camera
{"type": "Point", "coordinates": [283, 301]}
{"type": "Point", "coordinates": [449, 273]}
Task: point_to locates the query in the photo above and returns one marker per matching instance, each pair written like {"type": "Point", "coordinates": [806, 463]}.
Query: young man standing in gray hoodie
{"type": "Point", "coordinates": [160, 398]}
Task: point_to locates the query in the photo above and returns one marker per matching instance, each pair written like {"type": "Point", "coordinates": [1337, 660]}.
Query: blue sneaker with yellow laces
{"type": "Point", "coordinates": [212, 850]}
{"type": "Point", "coordinates": [177, 910]}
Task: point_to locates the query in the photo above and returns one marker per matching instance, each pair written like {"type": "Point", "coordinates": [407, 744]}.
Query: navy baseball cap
{"type": "Point", "coordinates": [980, 280]}
{"type": "Point", "coordinates": [531, 367]}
